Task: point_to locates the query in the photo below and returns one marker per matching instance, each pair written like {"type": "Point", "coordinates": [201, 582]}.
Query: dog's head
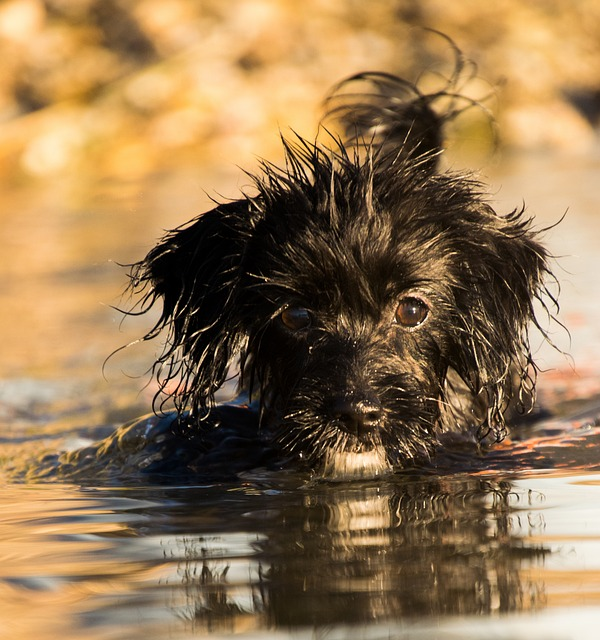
{"type": "Point", "coordinates": [371, 300]}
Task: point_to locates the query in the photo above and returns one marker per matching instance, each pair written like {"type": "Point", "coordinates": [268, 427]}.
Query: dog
{"type": "Point", "coordinates": [370, 301]}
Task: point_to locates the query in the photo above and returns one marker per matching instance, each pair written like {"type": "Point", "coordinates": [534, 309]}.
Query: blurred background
{"type": "Point", "coordinates": [121, 118]}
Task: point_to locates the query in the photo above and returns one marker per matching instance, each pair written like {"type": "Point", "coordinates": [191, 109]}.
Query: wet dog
{"type": "Point", "coordinates": [370, 300]}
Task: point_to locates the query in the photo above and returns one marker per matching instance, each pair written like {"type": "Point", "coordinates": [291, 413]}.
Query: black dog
{"type": "Point", "coordinates": [372, 301]}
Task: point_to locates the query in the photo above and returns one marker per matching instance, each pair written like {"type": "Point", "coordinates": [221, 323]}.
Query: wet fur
{"type": "Point", "coordinates": [342, 234]}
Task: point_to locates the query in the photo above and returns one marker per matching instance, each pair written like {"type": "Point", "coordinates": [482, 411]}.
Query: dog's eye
{"type": "Point", "coordinates": [296, 318]}
{"type": "Point", "coordinates": [411, 312]}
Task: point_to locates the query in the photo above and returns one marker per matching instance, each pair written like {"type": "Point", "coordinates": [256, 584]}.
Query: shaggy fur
{"type": "Point", "coordinates": [372, 300]}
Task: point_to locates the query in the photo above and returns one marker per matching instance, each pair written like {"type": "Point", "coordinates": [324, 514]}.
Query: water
{"type": "Point", "coordinates": [503, 553]}
{"type": "Point", "coordinates": [436, 558]}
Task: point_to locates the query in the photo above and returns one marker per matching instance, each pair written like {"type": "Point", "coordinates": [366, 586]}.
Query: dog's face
{"type": "Point", "coordinates": [352, 329]}
{"type": "Point", "coordinates": [366, 301]}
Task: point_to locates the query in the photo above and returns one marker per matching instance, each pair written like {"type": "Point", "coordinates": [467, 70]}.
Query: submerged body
{"type": "Point", "coordinates": [230, 446]}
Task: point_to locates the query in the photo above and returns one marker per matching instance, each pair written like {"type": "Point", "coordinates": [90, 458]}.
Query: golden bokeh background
{"type": "Point", "coordinates": [128, 87]}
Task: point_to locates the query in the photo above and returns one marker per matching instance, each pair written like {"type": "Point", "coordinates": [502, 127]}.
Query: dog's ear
{"type": "Point", "coordinates": [502, 282]}
{"type": "Point", "coordinates": [195, 271]}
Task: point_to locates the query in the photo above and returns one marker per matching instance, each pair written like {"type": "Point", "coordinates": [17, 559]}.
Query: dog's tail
{"type": "Point", "coordinates": [384, 112]}
{"type": "Point", "coordinates": [389, 115]}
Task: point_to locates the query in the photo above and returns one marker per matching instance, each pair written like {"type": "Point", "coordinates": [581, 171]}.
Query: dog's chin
{"type": "Point", "coordinates": [339, 466]}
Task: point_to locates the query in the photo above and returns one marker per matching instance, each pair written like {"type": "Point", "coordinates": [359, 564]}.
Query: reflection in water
{"type": "Point", "coordinates": [364, 554]}
{"type": "Point", "coordinates": [275, 553]}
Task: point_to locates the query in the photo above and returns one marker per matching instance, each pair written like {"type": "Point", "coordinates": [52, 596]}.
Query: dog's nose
{"type": "Point", "coordinates": [358, 416]}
